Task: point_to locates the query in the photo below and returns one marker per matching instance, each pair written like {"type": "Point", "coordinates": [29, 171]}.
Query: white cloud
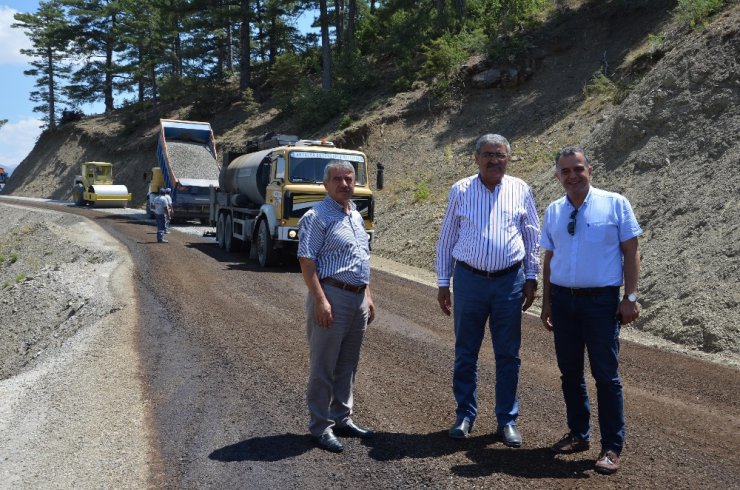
{"type": "Point", "coordinates": [17, 140]}
{"type": "Point", "coordinates": [11, 40]}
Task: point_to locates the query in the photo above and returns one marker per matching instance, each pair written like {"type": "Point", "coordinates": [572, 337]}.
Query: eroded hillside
{"type": "Point", "coordinates": [668, 140]}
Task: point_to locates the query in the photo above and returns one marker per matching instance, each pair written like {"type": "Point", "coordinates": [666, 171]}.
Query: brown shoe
{"type": "Point", "coordinates": [570, 444]}
{"type": "Point", "coordinates": [608, 463]}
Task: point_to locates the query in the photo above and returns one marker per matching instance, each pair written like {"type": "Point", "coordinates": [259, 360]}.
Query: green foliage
{"type": "Point", "coordinates": [445, 54]}
{"type": "Point", "coordinates": [655, 41]}
{"type": "Point", "coordinates": [2, 259]}
{"type": "Point", "coordinates": [345, 122]}
{"type": "Point", "coordinates": [19, 278]}
{"type": "Point", "coordinates": [312, 107]}
{"type": "Point", "coordinates": [249, 105]}
{"type": "Point", "coordinates": [695, 12]}
{"type": "Point", "coordinates": [401, 84]}
{"type": "Point", "coordinates": [422, 192]}
{"type": "Point", "coordinates": [287, 72]}
{"type": "Point", "coordinates": [13, 258]}
{"type": "Point", "coordinates": [603, 87]}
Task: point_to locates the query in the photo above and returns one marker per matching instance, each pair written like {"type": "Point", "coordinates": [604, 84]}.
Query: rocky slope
{"type": "Point", "coordinates": [670, 145]}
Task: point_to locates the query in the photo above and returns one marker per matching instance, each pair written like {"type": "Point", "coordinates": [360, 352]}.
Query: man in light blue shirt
{"type": "Point", "coordinates": [590, 242]}
{"type": "Point", "coordinates": [489, 243]}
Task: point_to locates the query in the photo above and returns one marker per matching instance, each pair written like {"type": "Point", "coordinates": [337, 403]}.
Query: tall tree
{"type": "Point", "coordinates": [95, 28]}
{"type": "Point", "coordinates": [50, 35]}
{"type": "Point", "coordinates": [325, 47]}
{"type": "Point", "coordinates": [245, 48]}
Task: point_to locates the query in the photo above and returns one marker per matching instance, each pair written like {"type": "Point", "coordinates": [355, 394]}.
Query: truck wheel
{"type": "Point", "coordinates": [78, 195]}
{"type": "Point", "coordinates": [229, 235]}
{"type": "Point", "coordinates": [266, 255]}
{"type": "Point", "coordinates": [220, 231]}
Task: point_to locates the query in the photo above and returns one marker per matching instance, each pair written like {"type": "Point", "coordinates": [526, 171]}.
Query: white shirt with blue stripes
{"type": "Point", "coordinates": [489, 230]}
{"type": "Point", "coordinates": [336, 241]}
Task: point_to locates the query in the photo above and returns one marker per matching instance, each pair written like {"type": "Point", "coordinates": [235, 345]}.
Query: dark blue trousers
{"type": "Point", "coordinates": [478, 299]}
{"type": "Point", "coordinates": [588, 323]}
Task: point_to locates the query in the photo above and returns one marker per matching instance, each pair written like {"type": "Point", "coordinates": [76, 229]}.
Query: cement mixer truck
{"type": "Point", "coordinates": [263, 193]}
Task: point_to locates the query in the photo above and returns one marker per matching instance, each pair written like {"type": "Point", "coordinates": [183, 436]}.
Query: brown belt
{"type": "Point", "coordinates": [343, 285]}
{"type": "Point", "coordinates": [586, 291]}
{"type": "Point", "coordinates": [493, 274]}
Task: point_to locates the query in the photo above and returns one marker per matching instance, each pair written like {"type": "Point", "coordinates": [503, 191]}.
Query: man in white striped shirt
{"type": "Point", "coordinates": [489, 243]}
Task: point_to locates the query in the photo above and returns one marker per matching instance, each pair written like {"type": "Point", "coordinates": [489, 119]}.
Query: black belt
{"type": "Point", "coordinates": [586, 291]}
{"type": "Point", "coordinates": [493, 274]}
{"type": "Point", "coordinates": [343, 285]}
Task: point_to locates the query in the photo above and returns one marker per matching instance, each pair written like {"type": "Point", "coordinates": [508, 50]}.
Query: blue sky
{"type": "Point", "coordinates": [19, 135]}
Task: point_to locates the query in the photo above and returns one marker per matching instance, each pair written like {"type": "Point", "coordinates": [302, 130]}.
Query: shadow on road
{"type": "Point", "coordinates": [487, 454]}
{"type": "Point", "coordinates": [272, 448]}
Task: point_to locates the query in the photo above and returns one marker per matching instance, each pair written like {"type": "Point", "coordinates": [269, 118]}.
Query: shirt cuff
{"type": "Point", "coordinates": [443, 283]}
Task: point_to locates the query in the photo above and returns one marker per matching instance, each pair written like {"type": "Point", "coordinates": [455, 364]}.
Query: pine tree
{"type": "Point", "coordinates": [50, 35]}
{"type": "Point", "coordinates": [96, 32]}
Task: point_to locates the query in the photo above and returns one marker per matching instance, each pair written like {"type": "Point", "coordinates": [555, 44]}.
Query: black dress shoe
{"type": "Point", "coordinates": [461, 429]}
{"type": "Point", "coordinates": [329, 442]}
{"type": "Point", "coordinates": [510, 435]}
{"type": "Point", "coordinates": [350, 429]}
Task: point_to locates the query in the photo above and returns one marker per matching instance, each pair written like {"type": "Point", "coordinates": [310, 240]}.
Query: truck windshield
{"type": "Point", "coordinates": [308, 166]}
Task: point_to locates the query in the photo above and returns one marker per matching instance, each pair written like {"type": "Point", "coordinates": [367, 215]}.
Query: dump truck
{"type": "Point", "coordinates": [262, 194]}
{"type": "Point", "coordinates": [187, 164]}
{"type": "Point", "coordinates": [94, 187]}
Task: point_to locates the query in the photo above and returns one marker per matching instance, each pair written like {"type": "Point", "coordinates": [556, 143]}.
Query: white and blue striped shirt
{"type": "Point", "coordinates": [489, 230]}
{"type": "Point", "coordinates": [336, 241]}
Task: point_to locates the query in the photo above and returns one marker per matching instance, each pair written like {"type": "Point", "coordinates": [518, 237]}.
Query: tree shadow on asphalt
{"type": "Point", "coordinates": [487, 454]}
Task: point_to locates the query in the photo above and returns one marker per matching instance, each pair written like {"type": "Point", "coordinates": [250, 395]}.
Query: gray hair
{"type": "Point", "coordinates": [337, 164]}
{"type": "Point", "coordinates": [493, 139]}
{"type": "Point", "coordinates": [569, 151]}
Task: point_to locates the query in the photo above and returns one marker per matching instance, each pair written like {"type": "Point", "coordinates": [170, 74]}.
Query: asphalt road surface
{"type": "Point", "coordinates": [224, 363]}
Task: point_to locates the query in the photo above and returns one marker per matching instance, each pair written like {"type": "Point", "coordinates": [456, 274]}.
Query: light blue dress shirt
{"type": "Point", "coordinates": [592, 256]}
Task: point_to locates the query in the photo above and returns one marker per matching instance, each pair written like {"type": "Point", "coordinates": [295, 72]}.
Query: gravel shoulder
{"type": "Point", "coordinates": [72, 409]}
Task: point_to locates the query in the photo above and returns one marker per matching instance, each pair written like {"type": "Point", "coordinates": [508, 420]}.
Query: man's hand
{"type": "Point", "coordinates": [443, 297]}
{"type": "Point", "coordinates": [370, 310]}
{"type": "Point", "coordinates": [545, 316]}
{"type": "Point", "coordinates": [322, 312]}
{"type": "Point", "coordinates": [628, 311]}
{"type": "Point", "coordinates": [530, 287]}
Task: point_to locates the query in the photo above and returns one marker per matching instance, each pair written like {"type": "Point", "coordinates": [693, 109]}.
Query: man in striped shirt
{"type": "Point", "coordinates": [333, 251]}
{"type": "Point", "coordinates": [489, 243]}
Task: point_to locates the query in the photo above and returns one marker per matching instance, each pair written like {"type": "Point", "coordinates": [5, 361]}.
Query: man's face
{"type": "Point", "coordinates": [574, 174]}
{"type": "Point", "coordinates": [492, 160]}
{"type": "Point", "coordinates": [340, 184]}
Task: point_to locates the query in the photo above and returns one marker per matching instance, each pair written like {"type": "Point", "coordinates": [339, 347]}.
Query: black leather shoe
{"type": "Point", "coordinates": [329, 442]}
{"type": "Point", "coordinates": [510, 435]}
{"type": "Point", "coordinates": [461, 429]}
{"type": "Point", "coordinates": [350, 429]}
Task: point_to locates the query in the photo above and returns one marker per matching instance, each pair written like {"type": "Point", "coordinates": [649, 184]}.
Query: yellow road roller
{"type": "Point", "coordinates": [95, 187]}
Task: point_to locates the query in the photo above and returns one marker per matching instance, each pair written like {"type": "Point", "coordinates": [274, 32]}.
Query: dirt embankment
{"type": "Point", "coordinates": [71, 405]}
{"type": "Point", "coordinates": [670, 145]}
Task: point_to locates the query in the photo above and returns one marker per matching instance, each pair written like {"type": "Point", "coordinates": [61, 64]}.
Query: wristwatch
{"type": "Point", "coordinates": [632, 297]}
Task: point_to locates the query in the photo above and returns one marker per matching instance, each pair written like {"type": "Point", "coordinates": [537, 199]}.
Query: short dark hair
{"type": "Point", "coordinates": [571, 150]}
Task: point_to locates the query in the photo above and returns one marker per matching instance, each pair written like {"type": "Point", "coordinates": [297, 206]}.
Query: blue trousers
{"type": "Point", "coordinates": [160, 226]}
{"type": "Point", "coordinates": [478, 299]}
{"type": "Point", "coordinates": [588, 322]}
